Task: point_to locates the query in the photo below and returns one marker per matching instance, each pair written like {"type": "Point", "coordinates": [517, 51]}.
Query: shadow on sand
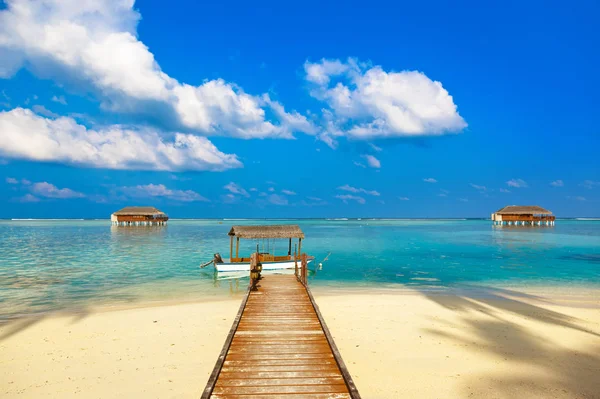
{"type": "Point", "coordinates": [553, 370]}
{"type": "Point", "coordinates": [12, 324]}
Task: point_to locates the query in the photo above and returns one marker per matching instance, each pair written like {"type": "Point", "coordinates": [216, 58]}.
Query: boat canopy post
{"type": "Point", "coordinates": [290, 248]}
{"type": "Point", "coordinates": [237, 248]}
{"type": "Point", "coordinates": [231, 248]}
{"type": "Point", "coordinates": [300, 246]}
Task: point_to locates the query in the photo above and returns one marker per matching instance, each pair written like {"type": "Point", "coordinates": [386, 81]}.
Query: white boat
{"type": "Point", "coordinates": [245, 266]}
{"type": "Point", "coordinates": [268, 260]}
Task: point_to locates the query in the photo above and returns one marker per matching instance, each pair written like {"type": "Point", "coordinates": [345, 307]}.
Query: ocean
{"type": "Point", "coordinates": [70, 265]}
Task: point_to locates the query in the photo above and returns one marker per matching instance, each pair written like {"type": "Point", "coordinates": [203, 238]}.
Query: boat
{"type": "Point", "coordinates": [266, 255]}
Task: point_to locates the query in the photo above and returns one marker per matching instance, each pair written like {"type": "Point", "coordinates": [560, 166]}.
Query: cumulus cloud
{"type": "Point", "coordinates": [12, 180]}
{"type": "Point", "coordinates": [557, 183]}
{"type": "Point", "coordinates": [159, 190]}
{"type": "Point", "coordinates": [349, 197]}
{"type": "Point", "coordinates": [360, 165]}
{"type": "Point", "coordinates": [347, 187]}
{"type": "Point", "coordinates": [26, 135]}
{"type": "Point", "coordinates": [288, 192]}
{"type": "Point", "coordinates": [430, 180]}
{"type": "Point", "coordinates": [378, 103]}
{"type": "Point", "coordinates": [95, 44]}
{"type": "Point", "coordinates": [372, 161]}
{"type": "Point", "coordinates": [517, 183]}
{"type": "Point", "coordinates": [503, 190]}
{"type": "Point", "coordinates": [235, 188]}
{"type": "Point", "coordinates": [47, 190]}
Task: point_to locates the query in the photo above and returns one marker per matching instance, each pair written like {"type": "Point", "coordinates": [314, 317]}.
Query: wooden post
{"type": "Point", "coordinates": [253, 271]}
{"type": "Point", "coordinates": [231, 248]}
{"type": "Point", "coordinates": [290, 248]}
{"type": "Point", "coordinates": [237, 248]}
{"type": "Point", "coordinates": [300, 246]}
{"type": "Point", "coordinates": [304, 270]}
{"type": "Point", "coordinates": [296, 264]}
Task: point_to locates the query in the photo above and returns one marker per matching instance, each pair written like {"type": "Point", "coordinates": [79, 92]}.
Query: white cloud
{"type": "Point", "coordinates": [314, 198]}
{"type": "Point", "coordinates": [348, 197]}
{"type": "Point", "coordinates": [288, 192]}
{"type": "Point", "coordinates": [478, 187]}
{"type": "Point", "coordinates": [159, 190]}
{"type": "Point", "coordinates": [503, 190]}
{"type": "Point", "coordinates": [589, 184]}
{"type": "Point", "coordinates": [29, 198]}
{"type": "Point", "coordinates": [271, 189]}
{"type": "Point", "coordinates": [253, 189]}
{"type": "Point", "coordinates": [463, 200]}
{"type": "Point", "coordinates": [375, 148]}
{"type": "Point", "coordinates": [557, 183]}
{"type": "Point", "coordinates": [430, 180]}
{"type": "Point", "coordinates": [234, 188]}
{"type": "Point", "coordinates": [404, 198]}
{"type": "Point", "coordinates": [442, 195]}
{"type": "Point", "coordinates": [26, 135]}
{"type": "Point", "coordinates": [360, 165]}
{"type": "Point", "coordinates": [12, 180]}
{"type": "Point", "coordinates": [347, 187]}
{"type": "Point", "coordinates": [25, 182]}
{"type": "Point", "coordinates": [96, 44]}
{"type": "Point", "coordinates": [380, 103]}
{"type": "Point", "coordinates": [40, 109]}
{"type": "Point", "coordinates": [277, 199]}
{"type": "Point", "coordinates": [517, 183]}
{"type": "Point", "coordinates": [372, 161]}
{"type": "Point", "coordinates": [59, 99]}
{"type": "Point", "coordinates": [577, 198]}
{"type": "Point", "coordinates": [45, 189]}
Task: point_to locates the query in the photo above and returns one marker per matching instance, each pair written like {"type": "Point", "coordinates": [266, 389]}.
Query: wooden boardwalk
{"type": "Point", "coordinates": [280, 347]}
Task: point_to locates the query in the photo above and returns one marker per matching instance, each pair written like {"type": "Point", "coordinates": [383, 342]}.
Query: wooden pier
{"type": "Point", "coordinates": [280, 347]}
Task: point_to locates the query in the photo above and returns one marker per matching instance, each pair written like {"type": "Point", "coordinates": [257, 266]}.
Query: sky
{"type": "Point", "coordinates": [298, 110]}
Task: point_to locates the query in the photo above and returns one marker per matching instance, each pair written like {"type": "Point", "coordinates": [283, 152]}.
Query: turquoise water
{"type": "Point", "coordinates": [68, 265]}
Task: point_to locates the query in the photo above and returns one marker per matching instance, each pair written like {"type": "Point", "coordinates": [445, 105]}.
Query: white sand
{"type": "Point", "coordinates": [395, 345]}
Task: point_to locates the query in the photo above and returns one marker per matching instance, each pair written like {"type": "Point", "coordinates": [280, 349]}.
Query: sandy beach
{"type": "Point", "coordinates": [490, 344]}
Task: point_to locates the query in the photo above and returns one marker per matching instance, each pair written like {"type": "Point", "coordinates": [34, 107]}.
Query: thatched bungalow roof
{"type": "Point", "coordinates": [270, 231]}
{"type": "Point", "coordinates": [523, 210]}
{"type": "Point", "coordinates": [138, 210]}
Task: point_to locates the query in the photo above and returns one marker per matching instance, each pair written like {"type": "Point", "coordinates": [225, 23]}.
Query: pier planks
{"type": "Point", "coordinates": [279, 347]}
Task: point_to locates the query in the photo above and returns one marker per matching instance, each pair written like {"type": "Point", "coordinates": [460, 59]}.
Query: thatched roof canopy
{"type": "Point", "coordinates": [271, 231]}
{"type": "Point", "coordinates": [523, 210]}
{"type": "Point", "coordinates": [138, 210]}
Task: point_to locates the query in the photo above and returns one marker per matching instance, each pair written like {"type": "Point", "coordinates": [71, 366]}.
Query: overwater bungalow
{"type": "Point", "coordinates": [523, 215]}
{"type": "Point", "coordinates": [139, 216]}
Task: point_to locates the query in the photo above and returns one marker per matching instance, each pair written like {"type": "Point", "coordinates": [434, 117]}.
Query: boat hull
{"type": "Point", "coordinates": [245, 267]}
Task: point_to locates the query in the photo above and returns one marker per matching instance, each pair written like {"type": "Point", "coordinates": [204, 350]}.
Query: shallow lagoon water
{"type": "Point", "coordinates": [69, 265]}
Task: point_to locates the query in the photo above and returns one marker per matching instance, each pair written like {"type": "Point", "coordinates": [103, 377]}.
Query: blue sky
{"type": "Point", "coordinates": [279, 109]}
